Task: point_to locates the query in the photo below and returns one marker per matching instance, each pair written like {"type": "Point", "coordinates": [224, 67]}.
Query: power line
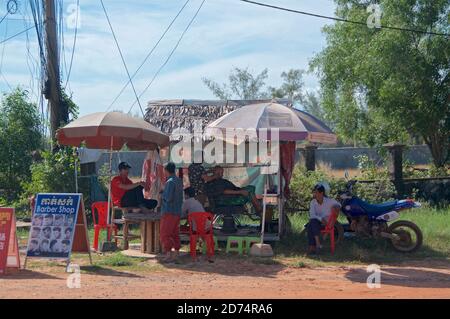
{"type": "Point", "coordinates": [2, 57]}
{"type": "Point", "coordinates": [16, 35]}
{"type": "Point", "coordinates": [61, 42]}
{"type": "Point", "coordinates": [121, 56]}
{"type": "Point", "coordinates": [37, 18]}
{"type": "Point", "coordinates": [171, 53]}
{"type": "Point", "coordinates": [343, 20]}
{"type": "Point", "coordinates": [74, 44]}
{"type": "Point", "coordinates": [4, 17]}
{"type": "Point", "coordinates": [148, 55]}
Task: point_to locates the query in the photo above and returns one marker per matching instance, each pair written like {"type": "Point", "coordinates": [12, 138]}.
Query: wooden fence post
{"type": "Point", "coordinates": [309, 154]}
{"type": "Point", "coordinates": [396, 165]}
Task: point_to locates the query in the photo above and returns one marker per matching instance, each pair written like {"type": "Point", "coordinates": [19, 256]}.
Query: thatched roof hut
{"type": "Point", "coordinates": [170, 115]}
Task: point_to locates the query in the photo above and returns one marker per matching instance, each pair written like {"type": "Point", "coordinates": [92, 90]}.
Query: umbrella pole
{"type": "Point", "coordinates": [264, 210]}
{"type": "Point", "coordinates": [76, 171]}
{"type": "Point", "coordinates": [109, 191]}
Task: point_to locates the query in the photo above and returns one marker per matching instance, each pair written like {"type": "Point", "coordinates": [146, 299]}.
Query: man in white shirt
{"type": "Point", "coordinates": [320, 210]}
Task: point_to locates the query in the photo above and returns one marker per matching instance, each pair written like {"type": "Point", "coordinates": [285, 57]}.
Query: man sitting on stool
{"type": "Point", "coordinates": [320, 210]}
{"type": "Point", "coordinates": [225, 193]}
{"type": "Point", "coordinates": [125, 193]}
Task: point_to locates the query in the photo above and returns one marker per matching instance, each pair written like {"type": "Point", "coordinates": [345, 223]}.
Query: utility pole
{"type": "Point", "coordinates": [53, 84]}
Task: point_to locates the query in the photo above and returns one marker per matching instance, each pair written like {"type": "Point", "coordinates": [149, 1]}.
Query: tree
{"type": "Point", "coordinates": [19, 137]}
{"type": "Point", "coordinates": [242, 85]}
{"type": "Point", "coordinates": [72, 109]}
{"type": "Point", "coordinates": [392, 81]}
{"type": "Point", "coordinates": [312, 105]}
{"type": "Point", "coordinates": [291, 88]}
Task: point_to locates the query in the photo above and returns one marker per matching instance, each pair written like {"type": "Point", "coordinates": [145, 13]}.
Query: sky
{"type": "Point", "coordinates": [224, 35]}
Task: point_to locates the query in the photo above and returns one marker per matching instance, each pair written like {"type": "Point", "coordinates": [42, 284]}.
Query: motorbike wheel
{"type": "Point", "coordinates": [406, 242]}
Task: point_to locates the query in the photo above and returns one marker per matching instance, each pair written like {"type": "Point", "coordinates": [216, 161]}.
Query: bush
{"type": "Point", "coordinates": [379, 191]}
{"type": "Point", "coordinates": [302, 183]}
{"type": "Point", "coordinates": [20, 136]}
{"type": "Point", "coordinates": [54, 174]}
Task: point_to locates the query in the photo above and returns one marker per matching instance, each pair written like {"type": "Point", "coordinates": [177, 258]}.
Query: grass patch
{"type": "Point", "coordinates": [434, 223]}
{"type": "Point", "coordinates": [291, 251]}
{"type": "Point", "coordinates": [118, 260]}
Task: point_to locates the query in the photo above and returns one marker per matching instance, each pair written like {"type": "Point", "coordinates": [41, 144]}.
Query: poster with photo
{"type": "Point", "coordinates": [53, 225]}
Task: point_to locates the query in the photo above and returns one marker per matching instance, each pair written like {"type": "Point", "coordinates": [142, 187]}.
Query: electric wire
{"type": "Point", "coordinates": [342, 19]}
{"type": "Point", "coordinates": [149, 54]}
{"type": "Point", "coordinates": [171, 53]}
{"type": "Point", "coordinates": [121, 56]}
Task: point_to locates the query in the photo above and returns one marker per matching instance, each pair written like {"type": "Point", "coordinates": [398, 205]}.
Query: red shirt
{"type": "Point", "coordinates": [117, 192]}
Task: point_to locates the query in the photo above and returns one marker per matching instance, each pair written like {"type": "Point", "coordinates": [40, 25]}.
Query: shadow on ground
{"type": "Point", "coordinates": [107, 271]}
{"type": "Point", "coordinates": [25, 274]}
{"type": "Point", "coordinates": [404, 277]}
{"type": "Point", "coordinates": [229, 265]}
{"type": "Point", "coordinates": [355, 249]}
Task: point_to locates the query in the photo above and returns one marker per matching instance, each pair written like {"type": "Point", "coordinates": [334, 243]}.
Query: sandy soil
{"type": "Point", "coordinates": [234, 279]}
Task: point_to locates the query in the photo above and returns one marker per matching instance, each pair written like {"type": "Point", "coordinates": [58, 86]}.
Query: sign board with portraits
{"type": "Point", "coordinates": [58, 221]}
{"type": "Point", "coordinates": [9, 248]}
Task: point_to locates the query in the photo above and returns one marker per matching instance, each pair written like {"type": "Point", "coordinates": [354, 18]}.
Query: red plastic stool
{"type": "Point", "coordinates": [329, 229]}
{"type": "Point", "coordinates": [101, 222]}
{"type": "Point", "coordinates": [199, 220]}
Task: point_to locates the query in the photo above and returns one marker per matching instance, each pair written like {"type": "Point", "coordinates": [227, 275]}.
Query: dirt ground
{"type": "Point", "coordinates": [228, 278]}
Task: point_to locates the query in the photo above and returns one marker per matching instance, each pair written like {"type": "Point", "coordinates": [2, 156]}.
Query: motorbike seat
{"type": "Point", "coordinates": [377, 209]}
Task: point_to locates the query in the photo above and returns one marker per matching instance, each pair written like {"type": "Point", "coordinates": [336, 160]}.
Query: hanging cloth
{"type": "Point", "coordinates": [287, 157]}
{"type": "Point", "coordinates": [153, 175]}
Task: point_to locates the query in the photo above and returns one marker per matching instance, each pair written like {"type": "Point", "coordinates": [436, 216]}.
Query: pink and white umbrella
{"type": "Point", "coordinates": [292, 124]}
{"type": "Point", "coordinates": [111, 130]}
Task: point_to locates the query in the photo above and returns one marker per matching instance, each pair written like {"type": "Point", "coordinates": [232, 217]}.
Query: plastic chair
{"type": "Point", "coordinates": [329, 229]}
{"type": "Point", "coordinates": [101, 222]}
{"type": "Point", "coordinates": [199, 219]}
{"type": "Point", "coordinates": [239, 241]}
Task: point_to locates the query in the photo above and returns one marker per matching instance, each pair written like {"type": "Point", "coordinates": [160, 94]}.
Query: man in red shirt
{"type": "Point", "coordinates": [125, 193]}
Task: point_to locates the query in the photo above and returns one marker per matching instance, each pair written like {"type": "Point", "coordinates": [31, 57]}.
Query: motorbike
{"type": "Point", "coordinates": [374, 220]}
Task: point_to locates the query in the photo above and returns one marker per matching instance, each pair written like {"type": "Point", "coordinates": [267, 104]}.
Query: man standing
{"type": "Point", "coordinates": [172, 201]}
{"type": "Point", "coordinates": [125, 193]}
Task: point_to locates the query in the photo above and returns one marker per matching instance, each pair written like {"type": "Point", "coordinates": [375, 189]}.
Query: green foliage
{"type": "Point", "coordinates": [292, 86]}
{"type": "Point", "coordinates": [380, 85]}
{"type": "Point", "coordinates": [19, 137]}
{"type": "Point", "coordinates": [103, 176]}
{"type": "Point", "coordinates": [312, 105]}
{"type": "Point", "coordinates": [54, 174]}
{"type": "Point", "coordinates": [302, 183]}
{"type": "Point", "coordinates": [68, 103]}
{"type": "Point", "coordinates": [375, 192]}
{"type": "Point", "coordinates": [242, 84]}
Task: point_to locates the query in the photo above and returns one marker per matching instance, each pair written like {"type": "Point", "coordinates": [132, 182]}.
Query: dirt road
{"type": "Point", "coordinates": [234, 279]}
